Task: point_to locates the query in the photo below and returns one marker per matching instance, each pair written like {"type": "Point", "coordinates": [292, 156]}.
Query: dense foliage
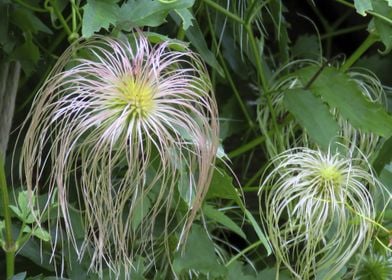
{"type": "Point", "coordinates": [195, 139]}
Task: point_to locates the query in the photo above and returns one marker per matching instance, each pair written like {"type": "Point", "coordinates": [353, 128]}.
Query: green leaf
{"type": "Point", "coordinates": [313, 115]}
{"type": "Point", "coordinates": [185, 189]}
{"type": "Point", "coordinates": [38, 232]}
{"type": "Point", "coordinates": [362, 6]}
{"type": "Point", "coordinates": [41, 233]}
{"type": "Point", "coordinates": [221, 218]}
{"type": "Point", "coordinates": [340, 92]}
{"type": "Point", "coordinates": [236, 272]}
{"type": "Point", "coordinates": [384, 156]}
{"type": "Point", "coordinates": [141, 209]}
{"type": "Point", "coordinates": [16, 211]}
{"type": "Point", "coordinates": [137, 13]}
{"type": "Point", "coordinates": [270, 273]}
{"type": "Point", "coordinates": [258, 231]}
{"type": "Point", "coordinates": [222, 187]}
{"type": "Point", "coordinates": [383, 28]}
{"type": "Point", "coordinates": [306, 46]}
{"type": "Point", "coordinates": [27, 54]}
{"type": "Point", "coordinates": [99, 14]}
{"type": "Point", "coordinates": [19, 276]}
{"type": "Point", "coordinates": [34, 251]}
{"type": "Point", "coordinates": [172, 43]}
{"type": "Point", "coordinates": [199, 255]}
{"type": "Point", "coordinates": [186, 16]}
{"type": "Point", "coordinates": [28, 22]}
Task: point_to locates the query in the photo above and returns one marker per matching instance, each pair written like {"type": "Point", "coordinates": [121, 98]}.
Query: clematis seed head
{"type": "Point", "coordinates": [318, 210]}
{"type": "Point", "coordinates": [122, 123]}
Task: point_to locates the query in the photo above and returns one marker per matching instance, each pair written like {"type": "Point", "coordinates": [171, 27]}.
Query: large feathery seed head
{"type": "Point", "coordinates": [123, 122]}
{"type": "Point", "coordinates": [318, 209]}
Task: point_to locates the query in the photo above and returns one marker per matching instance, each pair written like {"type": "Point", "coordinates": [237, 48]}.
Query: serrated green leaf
{"type": "Point", "coordinates": [99, 14]}
{"type": "Point", "coordinates": [221, 218]}
{"type": "Point", "coordinates": [221, 186]}
{"type": "Point", "coordinates": [199, 255]}
{"type": "Point", "coordinates": [148, 13]}
{"type": "Point", "coordinates": [41, 233]}
{"type": "Point", "coordinates": [186, 16]}
{"type": "Point", "coordinates": [17, 212]}
{"type": "Point", "coordinates": [340, 92]}
{"type": "Point", "coordinates": [313, 115]}
{"type": "Point", "coordinates": [383, 28]}
{"type": "Point", "coordinates": [306, 46]}
{"type": "Point", "coordinates": [362, 6]}
{"type": "Point", "coordinates": [236, 272]}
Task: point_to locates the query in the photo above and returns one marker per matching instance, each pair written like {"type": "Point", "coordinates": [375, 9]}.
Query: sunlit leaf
{"type": "Point", "coordinates": [150, 13]}
{"type": "Point", "coordinates": [362, 6]}
{"type": "Point", "coordinates": [186, 17]}
{"type": "Point", "coordinates": [98, 14]}
{"type": "Point", "coordinates": [342, 93]}
{"type": "Point", "coordinates": [313, 115]}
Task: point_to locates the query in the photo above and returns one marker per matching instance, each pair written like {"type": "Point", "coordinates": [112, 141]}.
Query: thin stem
{"type": "Point", "coordinates": [255, 177]}
{"type": "Point", "coordinates": [60, 17]}
{"type": "Point", "coordinates": [229, 78]}
{"type": "Point", "coordinates": [248, 146]}
{"type": "Point", "coordinates": [247, 249]}
{"type": "Point", "coordinates": [256, 57]}
{"type": "Point", "coordinates": [224, 11]}
{"type": "Point", "coordinates": [9, 246]}
{"type": "Point", "coordinates": [370, 40]}
{"type": "Point", "coordinates": [263, 82]}
{"type": "Point", "coordinates": [30, 7]}
{"type": "Point", "coordinates": [74, 22]}
{"type": "Point", "coordinates": [236, 92]}
{"type": "Point", "coordinates": [343, 31]}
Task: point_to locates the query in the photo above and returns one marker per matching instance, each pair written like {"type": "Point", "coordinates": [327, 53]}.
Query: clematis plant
{"type": "Point", "coordinates": [318, 210]}
{"type": "Point", "coordinates": [123, 122]}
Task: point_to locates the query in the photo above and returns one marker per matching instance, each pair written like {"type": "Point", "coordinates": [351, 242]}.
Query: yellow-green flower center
{"type": "Point", "coordinates": [138, 95]}
{"type": "Point", "coordinates": [331, 173]}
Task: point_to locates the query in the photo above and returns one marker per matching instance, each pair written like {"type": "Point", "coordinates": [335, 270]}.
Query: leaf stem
{"type": "Point", "coordinates": [369, 41]}
{"type": "Point", "coordinates": [263, 82]}
{"type": "Point", "coordinates": [9, 246]}
{"type": "Point", "coordinates": [247, 249]}
{"type": "Point", "coordinates": [343, 31]}
{"type": "Point", "coordinates": [224, 11]}
{"type": "Point", "coordinates": [229, 78]}
{"type": "Point", "coordinates": [60, 16]}
{"type": "Point", "coordinates": [244, 148]}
